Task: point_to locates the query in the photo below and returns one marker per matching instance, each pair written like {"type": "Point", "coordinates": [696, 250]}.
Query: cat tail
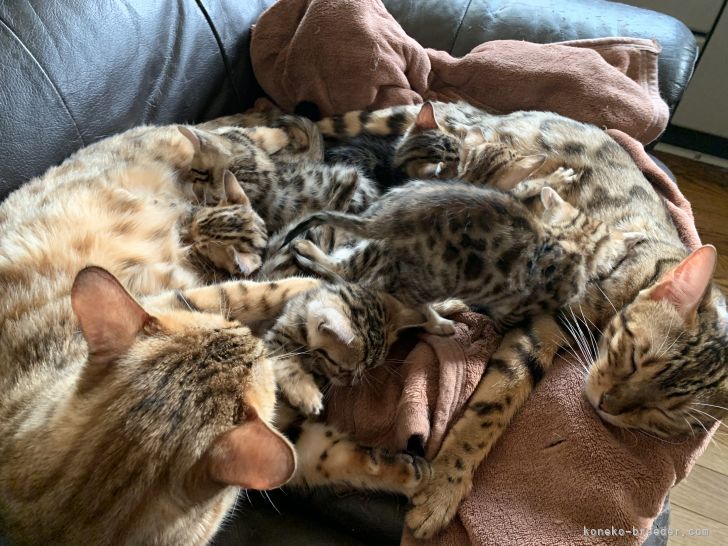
{"type": "Point", "coordinates": [384, 122]}
{"type": "Point", "coordinates": [362, 227]}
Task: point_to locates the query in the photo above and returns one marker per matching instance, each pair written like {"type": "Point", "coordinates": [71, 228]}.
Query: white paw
{"type": "Point", "coordinates": [562, 175]}
{"type": "Point", "coordinates": [435, 505]}
{"type": "Point", "coordinates": [440, 327]}
{"type": "Point", "coordinates": [305, 396]}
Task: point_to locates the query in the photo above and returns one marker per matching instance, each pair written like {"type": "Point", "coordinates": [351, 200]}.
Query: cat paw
{"type": "Point", "coordinates": [305, 396]}
{"type": "Point", "coordinates": [562, 175]}
{"type": "Point", "coordinates": [434, 506]}
{"type": "Point", "coordinates": [400, 472]}
{"type": "Point", "coordinates": [450, 307]}
{"type": "Point", "coordinates": [440, 327]}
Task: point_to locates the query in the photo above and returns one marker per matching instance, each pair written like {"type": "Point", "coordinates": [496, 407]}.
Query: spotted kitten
{"type": "Point", "coordinates": [429, 241]}
{"type": "Point", "coordinates": [659, 296]}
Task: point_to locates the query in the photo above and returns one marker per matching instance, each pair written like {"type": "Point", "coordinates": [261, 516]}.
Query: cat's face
{"type": "Point", "coordinates": [663, 361]}
{"type": "Point", "coordinates": [179, 404]}
{"type": "Point", "coordinates": [427, 150]}
{"type": "Point", "coordinates": [344, 330]}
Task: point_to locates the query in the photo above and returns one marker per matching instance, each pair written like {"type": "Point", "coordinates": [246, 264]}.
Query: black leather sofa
{"type": "Point", "coordinates": [75, 71]}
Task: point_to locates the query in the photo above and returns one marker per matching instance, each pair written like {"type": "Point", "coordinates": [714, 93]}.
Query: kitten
{"type": "Point", "coordinates": [658, 295]}
{"type": "Point", "coordinates": [135, 404]}
{"type": "Point", "coordinates": [428, 241]}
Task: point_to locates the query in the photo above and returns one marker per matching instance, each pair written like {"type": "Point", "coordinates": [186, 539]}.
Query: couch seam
{"type": "Point", "coordinates": [47, 77]}
{"type": "Point", "coordinates": [223, 54]}
{"type": "Point", "coordinates": [460, 24]}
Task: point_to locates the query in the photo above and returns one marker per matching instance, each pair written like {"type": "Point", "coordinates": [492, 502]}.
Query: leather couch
{"type": "Point", "coordinates": [75, 71]}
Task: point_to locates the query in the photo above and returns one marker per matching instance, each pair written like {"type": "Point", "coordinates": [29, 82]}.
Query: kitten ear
{"type": "Point", "coordinates": [110, 318]}
{"type": "Point", "coordinates": [330, 321]}
{"type": "Point", "coordinates": [234, 192]}
{"type": "Point", "coordinates": [631, 238]}
{"type": "Point", "coordinates": [251, 456]}
{"type": "Point", "coordinates": [550, 198]}
{"type": "Point", "coordinates": [426, 119]}
{"type": "Point", "coordinates": [190, 135]}
{"type": "Point", "coordinates": [686, 285]}
{"type": "Point", "coordinates": [474, 137]}
{"type": "Point", "coordinates": [401, 316]}
{"type": "Point", "coordinates": [519, 170]}
{"type": "Point", "coordinates": [247, 263]}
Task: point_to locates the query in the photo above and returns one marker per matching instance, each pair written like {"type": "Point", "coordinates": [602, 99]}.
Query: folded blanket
{"type": "Point", "coordinates": [351, 54]}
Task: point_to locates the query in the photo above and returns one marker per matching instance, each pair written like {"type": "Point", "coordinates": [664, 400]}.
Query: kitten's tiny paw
{"type": "Point", "coordinates": [306, 397]}
{"type": "Point", "coordinates": [401, 472]}
{"type": "Point", "coordinates": [305, 248]}
{"type": "Point", "coordinates": [441, 327]}
{"type": "Point", "coordinates": [450, 307]}
{"type": "Point", "coordinates": [563, 175]}
{"type": "Point", "coordinates": [435, 505]}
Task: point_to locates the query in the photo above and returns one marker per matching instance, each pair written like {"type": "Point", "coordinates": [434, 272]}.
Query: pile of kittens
{"type": "Point", "coordinates": [446, 221]}
{"type": "Point", "coordinates": [175, 299]}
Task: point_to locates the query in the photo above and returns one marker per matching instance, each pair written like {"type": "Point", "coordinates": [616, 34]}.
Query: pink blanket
{"type": "Point", "coordinates": [558, 472]}
{"type": "Point", "coordinates": [352, 55]}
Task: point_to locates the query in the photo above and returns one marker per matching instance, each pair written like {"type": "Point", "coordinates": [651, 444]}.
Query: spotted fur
{"type": "Point", "coordinates": [610, 189]}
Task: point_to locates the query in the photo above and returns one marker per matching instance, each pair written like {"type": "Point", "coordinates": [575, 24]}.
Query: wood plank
{"type": "Point", "coordinates": [683, 520]}
{"type": "Point", "coordinates": [716, 456]}
{"type": "Point", "coordinates": [703, 492]}
{"type": "Point", "coordinates": [706, 187]}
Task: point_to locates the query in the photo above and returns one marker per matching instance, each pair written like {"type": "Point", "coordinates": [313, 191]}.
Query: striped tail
{"type": "Point", "coordinates": [385, 122]}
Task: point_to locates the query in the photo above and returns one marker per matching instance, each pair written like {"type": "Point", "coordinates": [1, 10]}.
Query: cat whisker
{"type": "Point", "coordinates": [715, 419]}
{"type": "Point", "coordinates": [663, 440]}
{"type": "Point", "coordinates": [671, 345]}
{"type": "Point", "coordinates": [709, 405]}
{"type": "Point", "coordinates": [664, 340]}
{"type": "Point", "coordinates": [607, 298]}
{"type": "Point", "coordinates": [267, 496]}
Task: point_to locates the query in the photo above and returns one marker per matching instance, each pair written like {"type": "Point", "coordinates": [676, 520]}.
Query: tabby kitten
{"type": "Point", "coordinates": [658, 296]}
{"type": "Point", "coordinates": [428, 241]}
{"type": "Point", "coordinates": [142, 428]}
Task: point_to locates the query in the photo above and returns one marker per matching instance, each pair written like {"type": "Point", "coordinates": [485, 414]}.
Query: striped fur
{"type": "Point", "coordinates": [610, 189]}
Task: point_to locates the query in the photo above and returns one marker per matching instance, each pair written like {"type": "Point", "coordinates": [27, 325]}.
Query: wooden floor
{"type": "Point", "coordinates": [701, 500]}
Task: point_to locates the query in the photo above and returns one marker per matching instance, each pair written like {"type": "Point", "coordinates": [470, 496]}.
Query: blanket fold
{"type": "Point", "coordinates": [352, 55]}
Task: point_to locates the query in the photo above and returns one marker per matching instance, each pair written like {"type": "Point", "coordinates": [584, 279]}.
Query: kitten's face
{"type": "Point", "coordinates": [346, 330]}
{"type": "Point", "coordinates": [662, 366]}
{"type": "Point", "coordinates": [427, 150]}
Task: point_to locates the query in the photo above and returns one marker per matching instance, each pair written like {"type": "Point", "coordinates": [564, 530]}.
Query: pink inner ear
{"type": "Point", "coordinates": [252, 456]}
{"type": "Point", "coordinates": [686, 285]}
{"type": "Point", "coordinates": [426, 118]}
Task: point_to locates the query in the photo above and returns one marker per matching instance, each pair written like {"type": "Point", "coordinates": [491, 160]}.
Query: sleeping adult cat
{"type": "Point", "coordinates": [663, 360]}
{"type": "Point", "coordinates": [142, 427]}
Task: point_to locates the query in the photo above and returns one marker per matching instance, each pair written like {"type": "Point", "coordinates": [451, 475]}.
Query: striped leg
{"type": "Point", "coordinates": [327, 457]}
{"type": "Point", "coordinates": [246, 301]}
{"type": "Point", "coordinates": [519, 363]}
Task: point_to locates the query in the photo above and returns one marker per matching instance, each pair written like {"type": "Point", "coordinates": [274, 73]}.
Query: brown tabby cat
{"type": "Point", "coordinates": [663, 360]}
{"type": "Point", "coordinates": [142, 428]}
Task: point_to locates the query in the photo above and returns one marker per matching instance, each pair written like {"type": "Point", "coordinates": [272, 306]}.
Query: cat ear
{"type": "Point", "coordinates": [330, 321]}
{"type": "Point", "coordinates": [401, 316]}
{"type": "Point", "coordinates": [234, 192]}
{"type": "Point", "coordinates": [247, 263]}
{"type": "Point", "coordinates": [190, 135]}
{"type": "Point", "coordinates": [426, 119]}
{"type": "Point", "coordinates": [110, 318]}
{"type": "Point", "coordinates": [631, 238]}
{"type": "Point", "coordinates": [474, 137]}
{"type": "Point", "coordinates": [550, 198]}
{"type": "Point", "coordinates": [251, 456]}
{"type": "Point", "coordinates": [686, 285]}
{"type": "Point", "coordinates": [519, 170]}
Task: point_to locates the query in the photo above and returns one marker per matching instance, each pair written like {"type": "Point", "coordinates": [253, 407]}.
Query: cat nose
{"type": "Point", "coordinates": [606, 403]}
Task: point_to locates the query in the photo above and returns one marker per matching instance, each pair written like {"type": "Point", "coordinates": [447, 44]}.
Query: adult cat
{"type": "Point", "coordinates": [142, 428]}
{"type": "Point", "coordinates": [662, 366]}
